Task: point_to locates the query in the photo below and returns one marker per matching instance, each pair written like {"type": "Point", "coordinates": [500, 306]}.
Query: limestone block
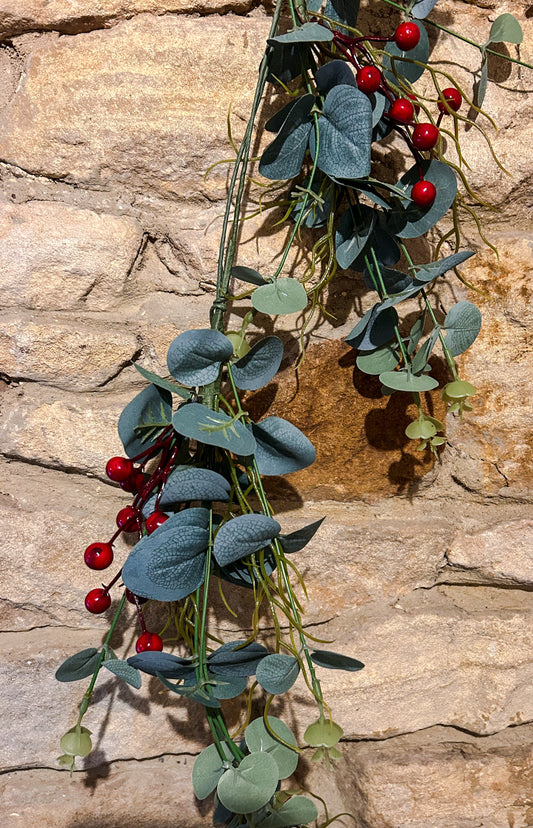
{"type": "Point", "coordinates": [54, 256]}
{"type": "Point", "coordinates": [71, 16]}
{"type": "Point", "coordinates": [69, 353]}
{"type": "Point", "coordinates": [501, 554]}
{"type": "Point", "coordinates": [141, 106]}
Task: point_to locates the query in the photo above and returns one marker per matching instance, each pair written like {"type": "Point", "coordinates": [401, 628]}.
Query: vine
{"type": "Point", "coordinates": [195, 460]}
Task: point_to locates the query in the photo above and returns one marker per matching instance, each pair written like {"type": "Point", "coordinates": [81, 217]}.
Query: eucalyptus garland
{"type": "Point", "coordinates": [195, 461]}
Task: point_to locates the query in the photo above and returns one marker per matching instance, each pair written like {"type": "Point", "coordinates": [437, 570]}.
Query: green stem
{"type": "Point", "coordinates": [88, 693]}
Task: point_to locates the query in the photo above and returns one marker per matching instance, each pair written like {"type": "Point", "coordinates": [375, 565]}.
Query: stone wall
{"type": "Point", "coordinates": [111, 113]}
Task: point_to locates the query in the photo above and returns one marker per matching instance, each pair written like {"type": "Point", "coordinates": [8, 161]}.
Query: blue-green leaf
{"type": "Point", "coordinates": [343, 11]}
{"type": "Point", "coordinates": [300, 538]}
{"type": "Point", "coordinates": [284, 295]}
{"type": "Point", "coordinates": [409, 221]}
{"type": "Point", "coordinates": [353, 230]}
{"type": "Point", "coordinates": [213, 428]}
{"type": "Point", "coordinates": [248, 274]}
{"type": "Point", "coordinates": [308, 33]}
{"type": "Point", "coordinates": [208, 768]}
{"type": "Point", "coordinates": [506, 29]}
{"type": "Point", "coordinates": [283, 158]}
{"type": "Point", "coordinates": [462, 325]}
{"type": "Point", "coordinates": [394, 280]}
{"type": "Point", "coordinates": [232, 659]}
{"type": "Point", "coordinates": [428, 272]}
{"type": "Point", "coordinates": [165, 664]}
{"type": "Point", "coordinates": [336, 661]}
{"type": "Point", "coordinates": [79, 666]}
{"type": "Point", "coordinates": [243, 535]}
{"type": "Point", "coordinates": [374, 329]}
{"type": "Point", "coordinates": [421, 357]}
{"type": "Point", "coordinates": [281, 448]}
{"type": "Point", "coordinates": [259, 365]}
{"type": "Point", "coordinates": [228, 687]}
{"type": "Point", "coordinates": [142, 419]}
{"type": "Point", "coordinates": [124, 671]}
{"type": "Point", "coordinates": [276, 673]}
{"type": "Point", "coordinates": [422, 8]}
{"type": "Point", "coordinates": [298, 810]}
{"type": "Point", "coordinates": [197, 693]}
{"type": "Point", "coordinates": [405, 380]}
{"type": "Point", "coordinates": [161, 382]}
{"type": "Point", "coordinates": [396, 61]}
{"type": "Point", "coordinates": [249, 786]}
{"type": "Point", "coordinates": [345, 132]}
{"type": "Point", "coordinates": [192, 483]}
{"type": "Point", "coordinates": [332, 74]}
{"type": "Point", "coordinates": [378, 361]}
{"type": "Point", "coordinates": [195, 357]}
{"type": "Point", "coordinates": [259, 738]}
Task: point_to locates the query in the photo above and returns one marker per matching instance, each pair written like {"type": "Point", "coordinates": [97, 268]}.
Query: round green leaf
{"type": "Point", "coordinates": [281, 448]}
{"type": "Point", "coordinates": [259, 738]}
{"type": "Point", "coordinates": [345, 134]}
{"type": "Point", "coordinates": [323, 733]}
{"type": "Point", "coordinates": [276, 673]}
{"type": "Point", "coordinates": [213, 428]}
{"type": "Point", "coordinates": [462, 325]}
{"type": "Point", "coordinates": [259, 365]}
{"type": "Point", "coordinates": [208, 768]}
{"type": "Point", "coordinates": [78, 666]}
{"type": "Point", "coordinates": [249, 786]}
{"type": "Point", "coordinates": [298, 810]}
{"type": "Point", "coordinates": [233, 660]}
{"type": "Point", "coordinates": [422, 8]}
{"type": "Point", "coordinates": [506, 29]}
{"type": "Point", "coordinates": [228, 687]}
{"type": "Point", "coordinates": [188, 483]}
{"type": "Point", "coordinates": [243, 535]}
{"type": "Point", "coordinates": [404, 380]}
{"type": "Point", "coordinates": [284, 295]}
{"type": "Point", "coordinates": [378, 361]}
{"type": "Point", "coordinates": [195, 357]}
{"type": "Point", "coordinates": [459, 390]}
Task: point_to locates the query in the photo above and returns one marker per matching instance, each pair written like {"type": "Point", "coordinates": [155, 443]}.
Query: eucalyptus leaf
{"type": "Point", "coordinates": [285, 61]}
{"type": "Point", "coordinates": [506, 29]}
{"type": "Point", "coordinates": [281, 448]}
{"type": "Point", "coordinates": [378, 330]}
{"type": "Point", "coordinates": [142, 419]}
{"type": "Point", "coordinates": [79, 666]}
{"type": "Point", "coordinates": [345, 133]}
{"type": "Point", "coordinates": [336, 661]}
{"type": "Point", "coordinates": [214, 428]}
{"type": "Point", "coordinates": [168, 665]}
{"type": "Point", "coordinates": [276, 673]}
{"type": "Point", "coordinates": [301, 537]}
{"type": "Point", "coordinates": [283, 158]}
{"type": "Point", "coordinates": [243, 535]}
{"type": "Point", "coordinates": [260, 738]}
{"type": "Point", "coordinates": [405, 380]}
{"type": "Point", "coordinates": [394, 280]}
{"type": "Point", "coordinates": [284, 295]}
{"type": "Point", "coordinates": [384, 245]}
{"type": "Point", "coordinates": [400, 63]}
{"type": "Point", "coordinates": [193, 692]}
{"type": "Point", "coordinates": [422, 8]}
{"type": "Point", "coordinates": [462, 325]}
{"type": "Point", "coordinates": [298, 810]}
{"type": "Point", "coordinates": [195, 357]}
{"type": "Point", "coordinates": [353, 230]}
{"type": "Point", "coordinates": [428, 272]}
{"type": "Point", "coordinates": [308, 33]}
{"type": "Point", "coordinates": [235, 660]}
{"type": "Point", "coordinates": [316, 210]}
{"type": "Point", "coordinates": [249, 786]}
{"type": "Point", "coordinates": [161, 382]}
{"type": "Point", "coordinates": [342, 11]}
{"type": "Point", "coordinates": [124, 671]}
{"type": "Point", "coordinates": [228, 687]}
{"type": "Point", "coordinates": [208, 768]}
{"type": "Point", "coordinates": [421, 357]}
{"type": "Point", "coordinates": [192, 483]}
{"type": "Point", "coordinates": [248, 274]}
{"type": "Point", "coordinates": [333, 73]}
{"type": "Point", "coordinates": [481, 87]}
{"type": "Point", "coordinates": [415, 334]}
{"type": "Point", "coordinates": [378, 361]}
{"type": "Point", "coordinates": [259, 365]}
{"type": "Point", "coordinates": [409, 221]}
{"type": "Point", "coordinates": [276, 121]}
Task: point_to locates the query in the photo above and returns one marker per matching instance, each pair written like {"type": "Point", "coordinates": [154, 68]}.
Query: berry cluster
{"type": "Point", "coordinates": [133, 479]}
{"type": "Point", "coordinates": [402, 111]}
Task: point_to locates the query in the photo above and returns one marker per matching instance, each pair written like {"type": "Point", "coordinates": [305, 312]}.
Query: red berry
{"type": "Point", "coordinates": [402, 111]}
{"type": "Point", "coordinates": [118, 469]}
{"type": "Point", "coordinates": [131, 597]}
{"type": "Point", "coordinates": [127, 519]}
{"type": "Point", "coordinates": [134, 483]}
{"type": "Point", "coordinates": [97, 601]}
{"type": "Point", "coordinates": [368, 79]}
{"type": "Point", "coordinates": [423, 193]}
{"type": "Point", "coordinates": [98, 555]}
{"type": "Point", "coordinates": [407, 36]}
{"type": "Point", "coordinates": [154, 521]}
{"type": "Point", "coordinates": [149, 641]}
{"type": "Point", "coordinates": [453, 98]}
{"type": "Point", "coordinates": [414, 101]}
{"type": "Point", "coordinates": [425, 136]}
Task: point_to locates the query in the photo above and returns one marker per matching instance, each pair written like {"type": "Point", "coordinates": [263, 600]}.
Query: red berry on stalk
{"type": "Point", "coordinates": [98, 555]}
{"type": "Point", "coordinates": [134, 483]}
{"type": "Point", "coordinates": [97, 601]}
{"type": "Point", "coordinates": [453, 98]}
{"type": "Point", "coordinates": [368, 79]}
{"type": "Point", "coordinates": [131, 598]}
{"type": "Point", "coordinates": [407, 36]}
{"type": "Point", "coordinates": [118, 469]}
{"type": "Point", "coordinates": [149, 641]}
{"type": "Point", "coordinates": [127, 519]}
{"type": "Point", "coordinates": [425, 136]}
{"type": "Point", "coordinates": [402, 111]}
{"type": "Point", "coordinates": [414, 101]}
{"type": "Point", "coordinates": [423, 193]}
{"type": "Point", "coordinates": [155, 520]}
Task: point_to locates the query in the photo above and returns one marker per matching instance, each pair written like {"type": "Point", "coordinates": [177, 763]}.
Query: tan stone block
{"type": "Point", "coordinates": [142, 105]}
{"type": "Point", "coordinates": [501, 554]}
{"type": "Point", "coordinates": [71, 353]}
{"type": "Point", "coordinates": [73, 16]}
{"type": "Point", "coordinates": [54, 256]}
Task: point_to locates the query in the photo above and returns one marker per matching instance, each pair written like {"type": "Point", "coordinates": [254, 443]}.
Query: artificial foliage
{"type": "Point", "coordinates": [195, 460]}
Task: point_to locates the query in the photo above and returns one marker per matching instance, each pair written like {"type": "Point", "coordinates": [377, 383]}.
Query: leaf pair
{"type": "Point", "coordinates": [83, 664]}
